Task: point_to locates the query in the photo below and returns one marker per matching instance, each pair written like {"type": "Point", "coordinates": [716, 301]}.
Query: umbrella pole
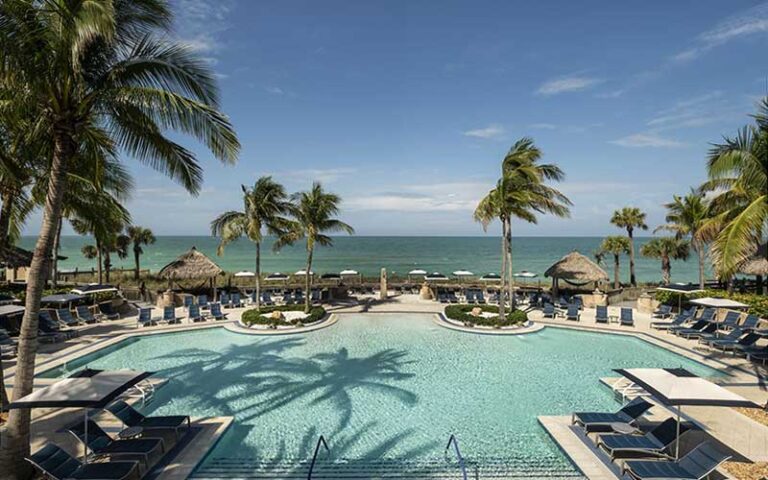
{"type": "Point", "coordinates": [85, 444]}
{"type": "Point", "coordinates": [677, 439]}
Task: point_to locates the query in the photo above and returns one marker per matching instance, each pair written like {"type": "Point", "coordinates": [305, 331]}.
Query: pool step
{"type": "Point", "coordinates": [243, 468]}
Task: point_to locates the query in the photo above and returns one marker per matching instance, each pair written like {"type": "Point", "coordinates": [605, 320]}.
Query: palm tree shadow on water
{"type": "Point", "coordinates": [250, 381]}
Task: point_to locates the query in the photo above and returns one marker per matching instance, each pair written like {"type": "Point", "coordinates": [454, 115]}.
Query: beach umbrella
{"type": "Point", "coordinates": [719, 303]}
{"type": "Point", "coordinates": [490, 277]}
{"type": "Point", "coordinates": [304, 272]}
{"type": "Point", "coordinates": [416, 273]}
{"type": "Point", "coordinates": [680, 289]}
{"type": "Point", "coordinates": [245, 273]}
{"type": "Point", "coordinates": [351, 273]}
{"type": "Point", "coordinates": [525, 274]}
{"type": "Point", "coordinates": [434, 277]}
{"type": "Point", "coordinates": [678, 387]}
{"type": "Point", "coordinates": [276, 276]}
{"type": "Point", "coordinates": [462, 274]}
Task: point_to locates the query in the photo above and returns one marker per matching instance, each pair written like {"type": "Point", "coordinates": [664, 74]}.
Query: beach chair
{"type": "Point", "coordinates": [678, 321]}
{"type": "Point", "coordinates": [495, 298]}
{"type": "Point", "coordinates": [188, 301]}
{"type": "Point", "coordinates": [216, 312]}
{"type": "Point", "coordinates": [742, 345]}
{"type": "Point", "coordinates": [652, 444]}
{"type": "Point", "coordinates": [664, 311]}
{"type": "Point", "coordinates": [169, 315]}
{"type": "Point", "coordinates": [146, 449]}
{"type": "Point", "coordinates": [49, 325]}
{"type": "Point", "coordinates": [573, 313]}
{"type": "Point", "coordinates": [750, 323]}
{"type": "Point", "coordinates": [194, 314]}
{"type": "Point", "coordinates": [696, 465]}
{"type": "Point", "coordinates": [757, 355]}
{"type": "Point", "coordinates": [54, 463]}
{"type": "Point", "coordinates": [145, 318]}
{"type": "Point", "coordinates": [708, 315]}
{"type": "Point", "coordinates": [601, 314]}
{"type": "Point", "coordinates": [65, 317]}
{"type": "Point", "coordinates": [730, 321]}
{"type": "Point", "coordinates": [698, 324]}
{"type": "Point", "coordinates": [469, 296]}
{"type": "Point", "coordinates": [625, 318]}
{"type": "Point", "coordinates": [452, 298]}
{"type": "Point", "coordinates": [694, 332]}
{"type": "Point", "coordinates": [479, 297]}
{"type": "Point", "coordinates": [266, 299]}
{"type": "Point", "coordinates": [288, 299]}
{"type": "Point", "coordinates": [732, 336]}
{"type": "Point", "coordinates": [298, 295]}
{"type": "Point", "coordinates": [131, 417]}
{"type": "Point", "coordinates": [316, 297]}
{"type": "Point", "coordinates": [549, 311]}
{"type": "Point", "coordinates": [601, 421]}
{"type": "Point", "coordinates": [442, 297]}
{"type": "Point", "coordinates": [8, 345]}
{"type": "Point", "coordinates": [563, 303]}
{"type": "Point", "coordinates": [108, 311]}
{"type": "Point", "coordinates": [84, 314]}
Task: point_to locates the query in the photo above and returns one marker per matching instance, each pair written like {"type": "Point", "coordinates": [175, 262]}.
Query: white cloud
{"type": "Point", "coordinates": [489, 132]}
{"type": "Point", "coordinates": [612, 94]}
{"type": "Point", "coordinates": [275, 90]}
{"type": "Point", "coordinates": [647, 140]}
{"type": "Point", "coordinates": [199, 24]}
{"type": "Point", "coordinates": [753, 21]}
{"type": "Point", "coordinates": [567, 84]}
{"type": "Point", "coordinates": [436, 197]}
{"type": "Point", "coordinates": [323, 175]}
{"type": "Point", "coordinates": [544, 126]}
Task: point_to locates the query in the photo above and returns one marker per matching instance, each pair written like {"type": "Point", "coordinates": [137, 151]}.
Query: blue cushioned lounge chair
{"type": "Point", "coordinates": [65, 317]}
{"type": "Point", "coordinates": [53, 462]}
{"type": "Point", "coordinates": [652, 444]}
{"type": "Point", "coordinates": [664, 311]}
{"type": "Point", "coordinates": [601, 421]}
{"type": "Point", "coordinates": [216, 312]}
{"type": "Point", "coordinates": [697, 464]}
{"type": "Point", "coordinates": [194, 314]}
{"type": "Point", "coordinates": [549, 310]}
{"type": "Point", "coordinates": [146, 449]}
{"type": "Point", "coordinates": [573, 313]}
{"type": "Point", "coordinates": [626, 318]}
{"type": "Point", "coordinates": [169, 315]}
{"type": "Point", "coordinates": [601, 314]}
{"type": "Point", "coordinates": [131, 417]}
{"type": "Point", "coordinates": [145, 318]}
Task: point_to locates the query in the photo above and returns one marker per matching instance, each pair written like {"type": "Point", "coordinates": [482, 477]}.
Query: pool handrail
{"type": "Point", "coordinates": [320, 441]}
{"type": "Point", "coordinates": [453, 440]}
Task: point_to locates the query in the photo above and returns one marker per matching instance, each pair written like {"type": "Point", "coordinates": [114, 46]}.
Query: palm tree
{"type": "Point", "coordinates": [91, 252]}
{"type": "Point", "coordinates": [313, 212]}
{"type": "Point", "coordinates": [107, 72]}
{"type": "Point", "coordinates": [616, 246]}
{"type": "Point", "coordinates": [630, 218]}
{"type": "Point", "coordinates": [263, 208]}
{"type": "Point", "coordinates": [521, 193]}
{"type": "Point", "coordinates": [139, 236]}
{"type": "Point", "coordinates": [666, 249]}
{"type": "Point", "coordinates": [738, 173]}
{"type": "Point", "coordinates": [687, 217]}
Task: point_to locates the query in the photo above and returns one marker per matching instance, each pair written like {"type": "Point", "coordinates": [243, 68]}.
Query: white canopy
{"type": "Point", "coordinates": [277, 276]}
{"type": "Point", "coordinates": [525, 274]}
{"type": "Point", "coordinates": [435, 276]}
{"type": "Point", "coordinates": [680, 288]}
{"type": "Point", "coordinates": [245, 273]}
{"type": "Point", "coordinates": [10, 310]}
{"type": "Point", "coordinates": [417, 272]}
{"type": "Point", "coordinates": [490, 277]}
{"type": "Point", "coordinates": [303, 272]}
{"type": "Point", "coordinates": [463, 273]}
{"type": "Point", "coordinates": [718, 303]}
{"type": "Point", "coordinates": [348, 272]}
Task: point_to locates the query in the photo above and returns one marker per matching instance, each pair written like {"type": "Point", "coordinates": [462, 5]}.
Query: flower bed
{"type": "Point", "coordinates": [256, 316]}
{"type": "Point", "coordinates": [462, 313]}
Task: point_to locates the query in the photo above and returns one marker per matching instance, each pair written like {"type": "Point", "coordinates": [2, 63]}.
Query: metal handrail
{"type": "Point", "coordinates": [452, 440]}
{"type": "Point", "coordinates": [320, 441]}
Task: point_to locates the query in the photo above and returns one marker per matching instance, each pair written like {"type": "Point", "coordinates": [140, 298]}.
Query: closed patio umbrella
{"type": "Point", "coordinates": [680, 289]}
{"type": "Point", "coordinates": [245, 273]}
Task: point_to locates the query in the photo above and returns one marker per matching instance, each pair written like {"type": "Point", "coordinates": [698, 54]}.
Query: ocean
{"type": "Point", "coordinates": [398, 255]}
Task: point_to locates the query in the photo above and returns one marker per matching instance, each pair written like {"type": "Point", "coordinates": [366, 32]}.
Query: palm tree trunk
{"type": "Point", "coordinates": [107, 265]}
{"type": "Point", "coordinates": [700, 252]}
{"type": "Point", "coordinates": [136, 258]}
{"type": "Point", "coordinates": [258, 275]}
{"type": "Point", "coordinates": [632, 280]}
{"type": "Point", "coordinates": [3, 392]}
{"type": "Point", "coordinates": [308, 281]}
{"type": "Point", "coordinates": [510, 272]}
{"type": "Point", "coordinates": [503, 286]}
{"type": "Point", "coordinates": [616, 278]}
{"type": "Point", "coordinates": [100, 264]}
{"type": "Point", "coordinates": [666, 270]}
{"type": "Point", "coordinates": [15, 445]}
{"type": "Point", "coordinates": [55, 256]}
{"type": "Point", "coordinates": [5, 216]}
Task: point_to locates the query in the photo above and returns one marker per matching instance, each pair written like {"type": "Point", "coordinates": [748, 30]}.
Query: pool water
{"type": "Point", "coordinates": [386, 388]}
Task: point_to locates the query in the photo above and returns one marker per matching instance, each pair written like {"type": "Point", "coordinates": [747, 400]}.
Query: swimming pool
{"type": "Point", "coordinates": [385, 389]}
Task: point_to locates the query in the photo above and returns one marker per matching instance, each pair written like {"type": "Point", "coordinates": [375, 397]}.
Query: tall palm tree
{"type": "Point", "coordinates": [264, 207]}
{"type": "Point", "coordinates": [107, 71]}
{"type": "Point", "coordinates": [139, 236]}
{"type": "Point", "coordinates": [313, 214]}
{"type": "Point", "coordinates": [686, 217]}
{"type": "Point", "coordinates": [666, 249]}
{"type": "Point", "coordinates": [521, 192]}
{"type": "Point", "coordinates": [630, 218]}
{"type": "Point", "coordinates": [617, 246]}
{"type": "Point", "coordinates": [738, 173]}
{"type": "Point", "coordinates": [91, 252]}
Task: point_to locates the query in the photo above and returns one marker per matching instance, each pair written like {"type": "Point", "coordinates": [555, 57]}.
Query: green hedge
{"type": "Point", "coordinates": [255, 316]}
{"type": "Point", "coordinates": [758, 304]}
{"type": "Point", "coordinates": [461, 313]}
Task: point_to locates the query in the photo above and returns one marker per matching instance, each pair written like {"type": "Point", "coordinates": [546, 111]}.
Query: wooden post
{"type": "Point", "coordinates": [383, 292]}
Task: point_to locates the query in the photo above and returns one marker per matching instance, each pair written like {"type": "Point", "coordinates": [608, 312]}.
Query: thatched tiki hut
{"type": "Point", "coordinates": [575, 269]}
{"type": "Point", "coordinates": [192, 265]}
{"type": "Point", "coordinates": [757, 265]}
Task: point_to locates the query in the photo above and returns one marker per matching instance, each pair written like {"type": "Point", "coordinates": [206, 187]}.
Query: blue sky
{"type": "Point", "coordinates": [406, 108]}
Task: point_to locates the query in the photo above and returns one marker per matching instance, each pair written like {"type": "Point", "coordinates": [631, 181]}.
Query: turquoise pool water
{"type": "Point", "coordinates": [388, 386]}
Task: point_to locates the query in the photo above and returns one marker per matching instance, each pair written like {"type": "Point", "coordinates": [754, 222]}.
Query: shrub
{"type": "Point", "coordinates": [255, 316]}
{"type": "Point", "coordinates": [758, 304]}
{"type": "Point", "coordinates": [461, 313]}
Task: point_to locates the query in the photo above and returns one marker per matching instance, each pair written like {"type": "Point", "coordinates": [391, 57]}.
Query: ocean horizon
{"type": "Point", "coordinates": [368, 254]}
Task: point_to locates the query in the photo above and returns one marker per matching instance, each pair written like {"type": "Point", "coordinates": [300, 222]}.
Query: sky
{"type": "Point", "coordinates": [405, 108]}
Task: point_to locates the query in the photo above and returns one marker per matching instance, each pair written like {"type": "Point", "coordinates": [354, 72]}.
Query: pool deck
{"type": "Point", "coordinates": [746, 436]}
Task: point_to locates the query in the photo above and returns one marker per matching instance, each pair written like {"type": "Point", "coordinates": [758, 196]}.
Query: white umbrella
{"type": "Point", "coordinates": [348, 272]}
{"type": "Point", "coordinates": [245, 273]}
{"type": "Point", "coordinates": [303, 272]}
{"type": "Point", "coordinates": [490, 277]}
{"type": "Point", "coordinates": [418, 272]}
{"type": "Point", "coordinates": [525, 274]}
{"type": "Point", "coordinates": [277, 276]}
{"type": "Point", "coordinates": [435, 276]}
{"type": "Point", "coordinates": [718, 303]}
{"type": "Point", "coordinates": [462, 273]}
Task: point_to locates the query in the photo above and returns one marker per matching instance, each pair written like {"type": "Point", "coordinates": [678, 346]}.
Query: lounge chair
{"type": "Point", "coordinates": [145, 318]}
{"type": "Point", "coordinates": [601, 314]}
{"type": "Point", "coordinates": [452, 298]}
{"type": "Point", "coordinates": [169, 315]}
{"type": "Point", "coordinates": [194, 314]}
{"type": "Point", "coordinates": [65, 317]}
{"type": "Point", "coordinates": [757, 355]}
{"type": "Point", "coordinates": [469, 296]}
{"type": "Point", "coordinates": [442, 297]}
{"type": "Point", "coordinates": [85, 314]}
{"type": "Point", "coordinates": [54, 463]}
{"type": "Point", "coordinates": [288, 299]}
{"type": "Point", "coordinates": [216, 312]}
{"type": "Point", "coordinates": [664, 311]}
{"type": "Point", "coordinates": [266, 299]}
{"type": "Point", "coordinates": [698, 325]}
{"type": "Point", "coordinates": [601, 421]}
{"type": "Point", "coordinates": [549, 311]}
{"type": "Point", "coordinates": [573, 313]}
{"type": "Point", "coordinates": [707, 329]}
{"type": "Point", "coordinates": [317, 297]}
{"type": "Point", "coordinates": [479, 297]}
{"type": "Point", "coordinates": [652, 444]}
{"type": "Point", "coordinates": [563, 303]}
{"type": "Point", "coordinates": [188, 301]}
{"type": "Point", "coordinates": [750, 323]}
{"type": "Point", "coordinates": [708, 315]}
{"type": "Point", "coordinates": [626, 318]}
{"type": "Point", "coordinates": [678, 321]}
{"type": "Point", "coordinates": [48, 325]}
{"type": "Point", "coordinates": [202, 301]}
{"type": "Point", "coordinates": [744, 344]}
{"type": "Point", "coordinates": [697, 464]}
{"type": "Point", "coordinates": [146, 449]}
{"type": "Point", "coordinates": [298, 295]}
{"type": "Point", "coordinates": [133, 418]}
{"type": "Point", "coordinates": [8, 345]}
{"type": "Point", "coordinates": [108, 311]}
{"type": "Point", "coordinates": [730, 321]}
{"type": "Point", "coordinates": [732, 336]}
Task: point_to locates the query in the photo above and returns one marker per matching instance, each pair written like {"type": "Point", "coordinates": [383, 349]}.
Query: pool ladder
{"type": "Point", "coordinates": [320, 442]}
